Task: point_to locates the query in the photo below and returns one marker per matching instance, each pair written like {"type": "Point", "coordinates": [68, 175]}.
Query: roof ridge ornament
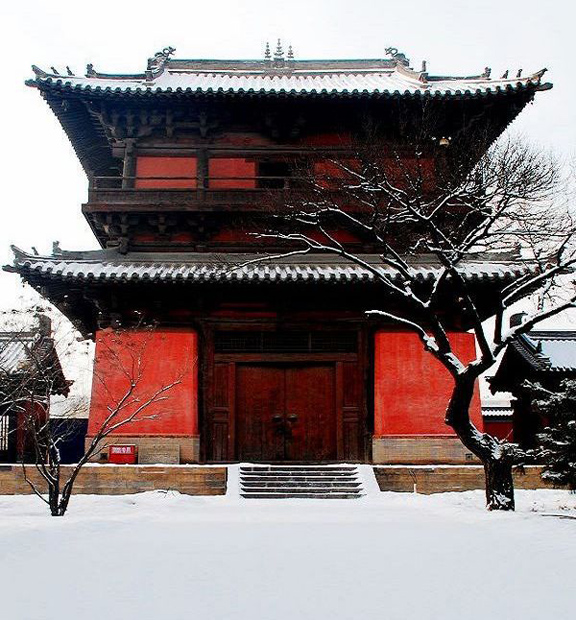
{"type": "Point", "coordinates": [278, 63]}
{"type": "Point", "coordinates": [398, 56]}
{"type": "Point", "coordinates": [157, 63]}
{"type": "Point", "coordinates": [279, 53]}
{"type": "Point", "coordinates": [538, 75]}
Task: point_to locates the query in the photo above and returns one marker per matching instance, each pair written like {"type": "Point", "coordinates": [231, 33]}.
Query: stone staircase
{"type": "Point", "coordinates": [309, 482]}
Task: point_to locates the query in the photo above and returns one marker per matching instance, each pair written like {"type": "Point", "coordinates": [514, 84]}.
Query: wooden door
{"type": "Point", "coordinates": [310, 413]}
{"type": "Point", "coordinates": [259, 413]}
{"type": "Point", "coordinates": [285, 413]}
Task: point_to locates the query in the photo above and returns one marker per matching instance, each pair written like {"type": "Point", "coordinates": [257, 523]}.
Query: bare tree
{"type": "Point", "coordinates": [450, 203]}
{"type": "Point", "coordinates": [128, 402]}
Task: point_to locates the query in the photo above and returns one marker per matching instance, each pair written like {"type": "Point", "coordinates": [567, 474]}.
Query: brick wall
{"type": "Point", "coordinates": [420, 450]}
{"type": "Point", "coordinates": [455, 478]}
{"type": "Point", "coordinates": [156, 450]}
{"type": "Point", "coordinates": [124, 479]}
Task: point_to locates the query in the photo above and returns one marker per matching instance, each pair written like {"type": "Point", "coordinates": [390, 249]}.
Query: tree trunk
{"type": "Point", "coordinates": [497, 466]}
{"type": "Point", "coordinates": [499, 485]}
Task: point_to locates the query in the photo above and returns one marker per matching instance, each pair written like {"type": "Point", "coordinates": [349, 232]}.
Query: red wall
{"type": "Point", "coordinates": [174, 171]}
{"type": "Point", "coordinates": [412, 388]}
{"type": "Point", "coordinates": [229, 168]}
{"type": "Point", "coordinates": [503, 429]}
{"type": "Point", "coordinates": [166, 355]}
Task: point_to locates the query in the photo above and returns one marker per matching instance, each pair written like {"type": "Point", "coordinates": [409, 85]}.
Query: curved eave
{"type": "Point", "coordinates": [86, 137]}
{"type": "Point", "coordinates": [62, 86]}
{"type": "Point", "coordinates": [264, 272]}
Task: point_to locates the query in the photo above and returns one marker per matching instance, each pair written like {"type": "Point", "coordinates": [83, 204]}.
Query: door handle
{"type": "Point", "coordinates": [292, 417]}
{"type": "Point", "coordinates": [277, 418]}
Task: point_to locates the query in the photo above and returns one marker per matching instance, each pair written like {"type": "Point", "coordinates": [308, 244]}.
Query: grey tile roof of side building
{"type": "Point", "coordinates": [25, 352]}
{"type": "Point", "coordinates": [15, 350]}
{"type": "Point", "coordinates": [391, 76]}
{"type": "Point", "coordinates": [549, 351]}
{"type": "Point", "coordinates": [110, 265]}
{"type": "Point", "coordinates": [497, 412]}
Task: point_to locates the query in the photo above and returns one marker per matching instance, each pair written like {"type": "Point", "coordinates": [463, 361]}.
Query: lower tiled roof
{"type": "Point", "coordinates": [109, 265]}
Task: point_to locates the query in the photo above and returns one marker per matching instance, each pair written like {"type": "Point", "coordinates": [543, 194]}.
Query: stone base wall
{"type": "Point", "coordinates": [156, 450]}
{"type": "Point", "coordinates": [122, 479]}
{"type": "Point", "coordinates": [432, 479]}
{"type": "Point", "coordinates": [420, 450]}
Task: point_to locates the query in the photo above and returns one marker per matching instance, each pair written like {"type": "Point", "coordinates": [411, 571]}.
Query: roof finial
{"type": "Point", "coordinates": [487, 72]}
{"type": "Point", "coordinates": [290, 53]}
{"type": "Point", "coordinates": [519, 74]}
{"type": "Point", "coordinates": [397, 55]}
{"type": "Point", "coordinates": [267, 54]}
{"type": "Point", "coordinates": [505, 75]}
{"type": "Point", "coordinates": [279, 53]}
{"type": "Point", "coordinates": [159, 59]}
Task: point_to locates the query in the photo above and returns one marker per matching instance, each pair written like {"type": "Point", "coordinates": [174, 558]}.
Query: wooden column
{"type": "Point", "coordinates": [129, 170]}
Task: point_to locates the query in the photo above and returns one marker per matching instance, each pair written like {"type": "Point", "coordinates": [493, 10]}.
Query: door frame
{"type": "Point", "coordinates": [218, 388]}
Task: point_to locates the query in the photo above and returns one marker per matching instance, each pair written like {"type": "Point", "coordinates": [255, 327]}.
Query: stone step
{"type": "Point", "coordinates": [318, 491]}
{"type": "Point", "coordinates": [303, 495]}
{"type": "Point", "coordinates": [298, 483]}
{"type": "Point", "coordinates": [300, 474]}
{"type": "Point", "coordinates": [314, 482]}
{"type": "Point", "coordinates": [310, 479]}
{"type": "Point", "coordinates": [319, 468]}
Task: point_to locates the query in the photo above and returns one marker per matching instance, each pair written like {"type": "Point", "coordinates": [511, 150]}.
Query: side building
{"type": "Point", "coordinates": [186, 161]}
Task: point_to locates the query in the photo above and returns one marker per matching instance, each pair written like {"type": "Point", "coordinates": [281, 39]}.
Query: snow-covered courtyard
{"type": "Point", "coordinates": [389, 556]}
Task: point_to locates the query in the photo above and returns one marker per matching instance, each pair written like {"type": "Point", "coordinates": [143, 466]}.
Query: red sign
{"type": "Point", "coordinates": [122, 454]}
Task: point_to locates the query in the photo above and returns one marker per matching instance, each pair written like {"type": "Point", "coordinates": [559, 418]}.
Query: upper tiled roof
{"type": "Point", "coordinates": [388, 77]}
{"type": "Point", "coordinates": [109, 265]}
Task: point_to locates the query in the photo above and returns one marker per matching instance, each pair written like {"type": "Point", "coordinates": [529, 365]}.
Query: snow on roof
{"type": "Point", "coordinates": [15, 351]}
{"type": "Point", "coordinates": [556, 350]}
{"type": "Point", "coordinates": [221, 267]}
{"type": "Point", "coordinates": [390, 76]}
{"type": "Point", "coordinates": [497, 412]}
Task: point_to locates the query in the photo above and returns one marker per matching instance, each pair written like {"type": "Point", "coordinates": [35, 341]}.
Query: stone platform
{"type": "Point", "coordinates": [429, 479]}
{"type": "Point", "coordinates": [123, 479]}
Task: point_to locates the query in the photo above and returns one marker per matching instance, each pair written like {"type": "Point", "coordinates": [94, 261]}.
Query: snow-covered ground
{"type": "Point", "coordinates": [392, 556]}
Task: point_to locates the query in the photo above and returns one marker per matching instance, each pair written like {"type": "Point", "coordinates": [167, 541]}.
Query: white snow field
{"type": "Point", "coordinates": [388, 556]}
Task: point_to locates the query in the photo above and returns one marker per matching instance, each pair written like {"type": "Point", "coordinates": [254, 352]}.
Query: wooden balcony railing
{"type": "Point", "coordinates": [189, 193]}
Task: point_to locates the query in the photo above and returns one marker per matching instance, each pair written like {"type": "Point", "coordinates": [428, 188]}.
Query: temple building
{"type": "Point", "coordinates": [276, 359]}
{"type": "Point", "coordinates": [30, 374]}
{"type": "Point", "coordinates": [543, 357]}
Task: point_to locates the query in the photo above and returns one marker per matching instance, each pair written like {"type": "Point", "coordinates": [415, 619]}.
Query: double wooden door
{"type": "Point", "coordinates": [286, 412]}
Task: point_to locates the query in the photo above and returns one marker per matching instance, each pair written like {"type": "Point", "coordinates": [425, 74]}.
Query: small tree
{"type": "Point", "coordinates": [469, 202]}
{"type": "Point", "coordinates": [133, 403]}
{"type": "Point", "coordinates": [557, 448]}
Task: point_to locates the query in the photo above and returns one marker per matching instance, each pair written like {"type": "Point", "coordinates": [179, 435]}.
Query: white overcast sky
{"type": "Point", "coordinates": [43, 185]}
